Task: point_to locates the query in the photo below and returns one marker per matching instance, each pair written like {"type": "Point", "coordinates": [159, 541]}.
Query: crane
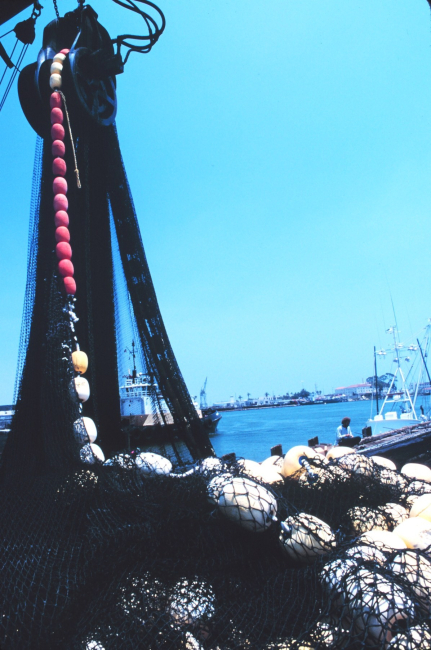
{"type": "Point", "coordinates": [203, 396]}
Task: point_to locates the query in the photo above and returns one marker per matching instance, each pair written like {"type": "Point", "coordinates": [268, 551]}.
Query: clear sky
{"type": "Point", "coordinates": [279, 155]}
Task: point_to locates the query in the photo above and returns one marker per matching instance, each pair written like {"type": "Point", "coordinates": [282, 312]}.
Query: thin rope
{"type": "Point", "coordinates": [13, 76]}
{"type": "Point", "coordinates": [76, 170]}
{"type": "Point", "coordinates": [7, 68]}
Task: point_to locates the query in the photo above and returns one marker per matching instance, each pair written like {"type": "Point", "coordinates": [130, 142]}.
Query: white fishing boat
{"type": "Point", "coordinates": [410, 379]}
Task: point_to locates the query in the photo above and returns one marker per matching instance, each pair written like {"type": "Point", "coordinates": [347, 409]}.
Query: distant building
{"type": "Point", "coordinates": [354, 390]}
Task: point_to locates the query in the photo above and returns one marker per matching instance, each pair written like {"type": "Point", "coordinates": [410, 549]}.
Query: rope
{"type": "Point", "coordinates": [76, 170]}
{"type": "Point", "coordinates": [13, 76]}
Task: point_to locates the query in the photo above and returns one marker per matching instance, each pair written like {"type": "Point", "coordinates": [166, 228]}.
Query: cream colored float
{"type": "Point", "coordinates": [85, 430]}
{"type": "Point", "coordinates": [91, 453]}
{"type": "Point", "coordinates": [82, 388]}
{"type": "Point", "coordinates": [377, 606]}
{"type": "Point", "coordinates": [210, 464]}
{"type": "Point", "coordinates": [414, 490]}
{"type": "Point", "coordinates": [417, 471]}
{"type": "Point", "coordinates": [417, 638]}
{"type": "Point", "coordinates": [367, 553]}
{"type": "Point", "coordinates": [274, 462]}
{"type": "Point", "coordinates": [80, 361]}
{"type": "Point", "coordinates": [384, 462]}
{"type": "Point", "coordinates": [215, 486]}
{"type": "Point", "coordinates": [151, 465]}
{"type": "Point", "coordinates": [338, 452]}
{"type": "Point", "coordinates": [363, 519]}
{"type": "Point", "coordinates": [247, 504]}
{"type": "Point", "coordinates": [256, 471]}
{"type": "Point", "coordinates": [416, 569]}
{"type": "Point", "coordinates": [383, 540]}
{"type": "Point", "coordinates": [422, 507]}
{"type": "Point", "coordinates": [333, 576]}
{"type": "Point", "coordinates": [296, 461]}
{"type": "Point", "coordinates": [415, 533]}
{"type": "Point", "coordinates": [304, 537]}
{"type": "Point", "coordinates": [357, 464]}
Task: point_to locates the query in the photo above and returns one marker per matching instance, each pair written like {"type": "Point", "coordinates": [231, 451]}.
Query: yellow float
{"type": "Point", "coordinates": [79, 361]}
{"type": "Point", "coordinates": [383, 540]}
{"type": "Point", "coordinates": [415, 533]}
{"type": "Point", "coordinates": [304, 537]}
{"type": "Point", "coordinates": [296, 460]}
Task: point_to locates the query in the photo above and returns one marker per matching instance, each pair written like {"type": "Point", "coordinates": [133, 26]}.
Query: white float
{"type": "Point", "coordinates": [90, 453]}
{"type": "Point", "coordinates": [417, 638]}
{"type": "Point", "coordinates": [151, 465]}
{"type": "Point", "coordinates": [276, 462]}
{"type": "Point", "coordinates": [215, 486]}
{"type": "Point", "coordinates": [190, 601]}
{"type": "Point", "coordinates": [367, 553]}
{"type": "Point", "coordinates": [210, 464]}
{"type": "Point", "coordinates": [305, 537]}
{"type": "Point", "coordinates": [248, 504]}
{"type": "Point", "coordinates": [376, 606]}
{"type": "Point", "coordinates": [338, 452]}
{"type": "Point", "coordinates": [417, 471]}
{"type": "Point", "coordinates": [333, 576]}
{"type": "Point", "coordinates": [416, 569]}
{"type": "Point", "coordinates": [82, 388]}
{"type": "Point", "coordinates": [357, 464]}
{"type": "Point", "coordinates": [85, 430]}
{"type": "Point", "coordinates": [415, 533]}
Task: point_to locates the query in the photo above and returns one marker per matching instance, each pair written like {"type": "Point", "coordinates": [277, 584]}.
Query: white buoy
{"type": "Point", "coordinates": [151, 465]}
{"type": "Point", "coordinates": [215, 486]}
{"type": "Point", "coordinates": [304, 537]}
{"type": "Point", "coordinates": [376, 606]}
{"type": "Point", "coordinates": [333, 576]}
{"type": "Point", "coordinates": [210, 464]}
{"type": "Point", "coordinates": [192, 643]}
{"type": "Point", "coordinates": [415, 533]}
{"type": "Point", "coordinates": [383, 540]}
{"type": "Point", "coordinates": [94, 645]}
{"type": "Point", "coordinates": [190, 601]}
{"type": "Point", "coordinates": [417, 471]}
{"type": "Point", "coordinates": [384, 462]}
{"type": "Point", "coordinates": [363, 518]}
{"type": "Point", "coordinates": [248, 504]}
{"type": "Point", "coordinates": [357, 464]}
{"type": "Point", "coordinates": [276, 462]}
{"type": "Point", "coordinates": [82, 388]}
{"type": "Point", "coordinates": [85, 430]}
{"type": "Point", "coordinates": [416, 569]}
{"type": "Point", "coordinates": [55, 81]}
{"type": "Point", "coordinates": [393, 478]}
{"type": "Point", "coordinates": [422, 507]}
{"type": "Point", "coordinates": [418, 637]}
{"type": "Point", "coordinates": [90, 453]}
{"type": "Point", "coordinates": [366, 553]}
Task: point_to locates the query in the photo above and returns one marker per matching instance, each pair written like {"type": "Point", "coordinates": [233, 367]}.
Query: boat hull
{"type": "Point", "coordinates": [385, 426]}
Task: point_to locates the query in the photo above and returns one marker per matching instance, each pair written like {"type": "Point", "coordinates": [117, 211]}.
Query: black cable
{"type": "Point", "coordinates": [154, 31]}
{"type": "Point", "coordinates": [7, 67]}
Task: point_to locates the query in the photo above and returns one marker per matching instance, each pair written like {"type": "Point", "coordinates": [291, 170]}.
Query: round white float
{"type": "Point", "coordinates": [422, 507]}
{"type": "Point", "coordinates": [417, 471]}
{"type": "Point", "coordinates": [248, 504]}
{"type": "Point", "coordinates": [151, 465]}
{"type": "Point", "coordinates": [416, 569]}
{"type": "Point", "coordinates": [338, 452]}
{"type": "Point", "coordinates": [370, 553]}
{"type": "Point", "coordinates": [82, 388]}
{"type": "Point", "coordinates": [85, 430]}
{"type": "Point", "coordinates": [384, 462]}
{"type": "Point", "coordinates": [417, 638]}
{"type": "Point", "coordinates": [383, 540]}
{"type": "Point", "coordinates": [304, 537]}
{"type": "Point", "coordinates": [415, 533]}
{"type": "Point", "coordinates": [291, 463]}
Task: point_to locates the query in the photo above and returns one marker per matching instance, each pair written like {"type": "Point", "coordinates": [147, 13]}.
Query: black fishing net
{"type": "Point", "coordinates": [162, 545]}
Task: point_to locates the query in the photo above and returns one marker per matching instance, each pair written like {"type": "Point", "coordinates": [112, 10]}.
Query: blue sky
{"type": "Point", "coordinates": [279, 157]}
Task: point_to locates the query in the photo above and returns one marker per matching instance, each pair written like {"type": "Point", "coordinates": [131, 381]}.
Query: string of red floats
{"type": "Point", "coordinates": [59, 186]}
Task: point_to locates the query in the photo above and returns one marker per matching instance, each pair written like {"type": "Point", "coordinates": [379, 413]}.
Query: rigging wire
{"type": "Point", "coordinates": [154, 30]}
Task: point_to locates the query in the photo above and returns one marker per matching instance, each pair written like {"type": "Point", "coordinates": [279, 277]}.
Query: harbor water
{"type": "Point", "coordinates": [251, 433]}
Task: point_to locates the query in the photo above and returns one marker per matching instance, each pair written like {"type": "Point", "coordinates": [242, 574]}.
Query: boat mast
{"type": "Point", "coordinates": [375, 379]}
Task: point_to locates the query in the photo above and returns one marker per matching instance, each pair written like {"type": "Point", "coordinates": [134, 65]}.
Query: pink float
{"type": "Point", "coordinates": [69, 285]}
{"type": "Point", "coordinates": [61, 218]}
{"type": "Point", "coordinates": [59, 185]}
{"type": "Point", "coordinates": [57, 132]}
{"type": "Point", "coordinates": [57, 116]}
{"type": "Point", "coordinates": [65, 267]}
{"type": "Point", "coordinates": [64, 51]}
{"type": "Point", "coordinates": [62, 234]}
{"type": "Point", "coordinates": [63, 251]}
{"type": "Point", "coordinates": [58, 148]}
{"type": "Point", "coordinates": [60, 202]}
{"type": "Point", "coordinates": [55, 100]}
{"type": "Point", "coordinates": [59, 167]}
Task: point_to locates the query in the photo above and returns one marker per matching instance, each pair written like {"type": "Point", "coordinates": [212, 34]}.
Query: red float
{"type": "Point", "coordinates": [55, 100]}
{"type": "Point", "coordinates": [57, 116]}
{"type": "Point", "coordinates": [69, 285]}
{"type": "Point", "coordinates": [57, 132]}
{"type": "Point", "coordinates": [59, 185]}
{"type": "Point", "coordinates": [64, 51]}
{"type": "Point", "coordinates": [65, 267]}
{"type": "Point", "coordinates": [60, 202]}
{"type": "Point", "coordinates": [58, 148]}
{"type": "Point", "coordinates": [63, 251]}
{"type": "Point", "coordinates": [61, 218]}
{"type": "Point", "coordinates": [62, 234]}
{"type": "Point", "coordinates": [59, 167]}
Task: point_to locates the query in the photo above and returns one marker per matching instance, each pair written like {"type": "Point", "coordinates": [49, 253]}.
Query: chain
{"type": "Point", "coordinates": [56, 9]}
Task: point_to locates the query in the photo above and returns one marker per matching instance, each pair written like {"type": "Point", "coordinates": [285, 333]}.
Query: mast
{"type": "Point", "coordinates": [375, 379]}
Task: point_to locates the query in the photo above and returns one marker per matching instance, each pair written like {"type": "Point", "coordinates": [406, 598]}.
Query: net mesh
{"type": "Point", "coordinates": [163, 545]}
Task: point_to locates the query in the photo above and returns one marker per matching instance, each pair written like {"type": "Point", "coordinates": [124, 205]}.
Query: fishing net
{"type": "Point", "coordinates": [162, 545]}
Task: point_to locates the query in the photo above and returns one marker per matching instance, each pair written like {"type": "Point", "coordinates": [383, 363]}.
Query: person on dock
{"type": "Point", "coordinates": [345, 437]}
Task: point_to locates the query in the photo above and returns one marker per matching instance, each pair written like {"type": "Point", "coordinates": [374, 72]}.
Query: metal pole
{"type": "Point", "coordinates": [375, 379]}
